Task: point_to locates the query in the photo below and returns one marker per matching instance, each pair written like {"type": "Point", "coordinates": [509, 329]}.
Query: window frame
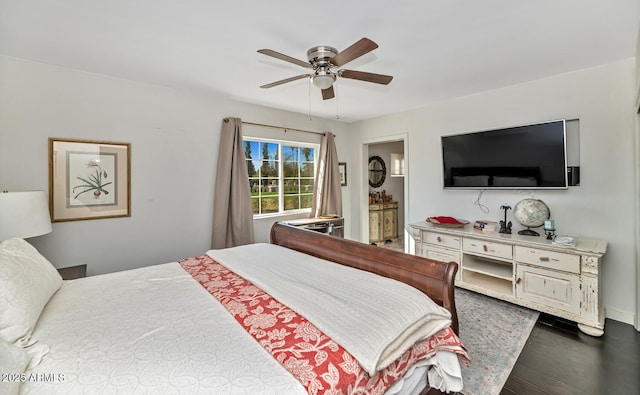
{"type": "Point", "coordinates": [281, 191]}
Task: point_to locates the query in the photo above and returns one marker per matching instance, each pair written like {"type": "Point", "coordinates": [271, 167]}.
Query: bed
{"type": "Point", "coordinates": [278, 318]}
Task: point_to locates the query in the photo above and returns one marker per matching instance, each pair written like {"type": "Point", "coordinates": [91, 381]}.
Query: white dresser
{"type": "Point", "coordinates": [526, 270]}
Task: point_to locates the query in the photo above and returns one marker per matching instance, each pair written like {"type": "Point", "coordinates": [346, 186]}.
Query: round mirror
{"type": "Point", "coordinates": [377, 171]}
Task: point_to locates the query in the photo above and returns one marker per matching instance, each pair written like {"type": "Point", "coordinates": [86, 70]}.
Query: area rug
{"type": "Point", "coordinates": [494, 333]}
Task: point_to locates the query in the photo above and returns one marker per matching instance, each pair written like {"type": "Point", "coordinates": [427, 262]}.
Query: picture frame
{"type": "Point", "coordinates": [342, 171]}
{"type": "Point", "coordinates": [89, 179]}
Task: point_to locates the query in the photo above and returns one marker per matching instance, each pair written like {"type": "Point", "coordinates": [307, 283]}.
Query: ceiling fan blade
{"type": "Point", "coordinates": [286, 58]}
{"type": "Point", "coordinates": [356, 50]}
{"type": "Point", "coordinates": [364, 76]}
{"type": "Point", "coordinates": [284, 81]}
{"type": "Point", "coordinates": [328, 93]}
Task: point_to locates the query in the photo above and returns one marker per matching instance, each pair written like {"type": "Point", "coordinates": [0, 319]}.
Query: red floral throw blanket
{"type": "Point", "coordinates": [321, 365]}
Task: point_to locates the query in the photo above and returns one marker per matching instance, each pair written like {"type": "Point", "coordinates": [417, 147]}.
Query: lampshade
{"type": "Point", "coordinates": [323, 79]}
{"type": "Point", "coordinates": [24, 214]}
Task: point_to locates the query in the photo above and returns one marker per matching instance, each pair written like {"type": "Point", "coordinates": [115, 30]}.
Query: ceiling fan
{"type": "Point", "coordinates": [323, 61]}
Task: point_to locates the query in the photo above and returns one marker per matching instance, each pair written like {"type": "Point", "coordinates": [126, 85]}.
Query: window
{"type": "Point", "coordinates": [281, 175]}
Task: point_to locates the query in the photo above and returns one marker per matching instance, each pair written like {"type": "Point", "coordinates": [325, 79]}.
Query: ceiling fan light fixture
{"type": "Point", "coordinates": [323, 80]}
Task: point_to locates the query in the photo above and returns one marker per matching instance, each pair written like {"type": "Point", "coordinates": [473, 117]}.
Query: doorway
{"type": "Point", "coordinates": [384, 225]}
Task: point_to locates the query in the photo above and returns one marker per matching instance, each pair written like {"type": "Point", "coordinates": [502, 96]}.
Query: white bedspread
{"type": "Point", "coordinates": [153, 330]}
{"type": "Point", "coordinates": [156, 330]}
{"type": "Point", "coordinates": [340, 301]}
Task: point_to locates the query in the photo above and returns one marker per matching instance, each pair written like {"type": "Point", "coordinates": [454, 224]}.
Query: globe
{"type": "Point", "coordinates": [531, 213]}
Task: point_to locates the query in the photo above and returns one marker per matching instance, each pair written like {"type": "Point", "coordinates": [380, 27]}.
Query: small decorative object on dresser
{"type": "Point", "coordinates": [483, 225]}
{"type": "Point", "coordinates": [550, 229]}
{"type": "Point", "coordinates": [559, 279]}
{"type": "Point", "coordinates": [505, 227]}
{"type": "Point", "coordinates": [448, 222]}
{"type": "Point", "coordinates": [531, 213]}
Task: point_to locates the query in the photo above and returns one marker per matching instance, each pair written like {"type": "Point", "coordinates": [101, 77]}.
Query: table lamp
{"type": "Point", "coordinates": [24, 214]}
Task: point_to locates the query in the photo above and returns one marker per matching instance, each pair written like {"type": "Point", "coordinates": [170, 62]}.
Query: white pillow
{"type": "Point", "coordinates": [27, 281]}
{"type": "Point", "coordinates": [13, 365]}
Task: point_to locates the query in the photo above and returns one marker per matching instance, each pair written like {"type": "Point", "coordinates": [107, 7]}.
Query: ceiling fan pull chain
{"type": "Point", "coordinates": [337, 101]}
{"type": "Point", "coordinates": [309, 86]}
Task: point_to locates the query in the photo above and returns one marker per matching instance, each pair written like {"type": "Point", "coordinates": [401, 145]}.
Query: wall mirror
{"type": "Point", "coordinates": [377, 171]}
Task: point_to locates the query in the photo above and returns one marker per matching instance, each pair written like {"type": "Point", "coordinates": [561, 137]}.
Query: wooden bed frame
{"type": "Point", "coordinates": [435, 279]}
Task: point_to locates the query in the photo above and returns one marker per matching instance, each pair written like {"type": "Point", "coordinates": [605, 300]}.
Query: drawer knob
{"type": "Point", "coordinates": [485, 248]}
{"type": "Point", "coordinates": [544, 259]}
{"type": "Point", "coordinates": [439, 239]}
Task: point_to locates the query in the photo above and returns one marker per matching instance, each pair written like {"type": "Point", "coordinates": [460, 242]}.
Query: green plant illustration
{"type": "Point", "coordinates": [94, 182]}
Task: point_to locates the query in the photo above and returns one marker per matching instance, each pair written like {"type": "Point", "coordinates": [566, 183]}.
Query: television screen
{"type": "Point", "coordinates": [521, 157]}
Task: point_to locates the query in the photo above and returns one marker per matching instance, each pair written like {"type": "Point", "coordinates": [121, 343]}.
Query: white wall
{"type": "Point", "coordinates": [603, 206]}
{"type": "Point", "coordinates": [174, 143]}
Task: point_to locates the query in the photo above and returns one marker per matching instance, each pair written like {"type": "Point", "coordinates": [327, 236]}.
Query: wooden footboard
{"type": "Point", "coordinates": [433, 278]}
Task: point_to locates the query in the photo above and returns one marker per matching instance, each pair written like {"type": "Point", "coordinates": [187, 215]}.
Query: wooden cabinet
{"type": "Point", "coordinates": [383, 222]}
{"type": "Point", "coordinates": [526, 270]}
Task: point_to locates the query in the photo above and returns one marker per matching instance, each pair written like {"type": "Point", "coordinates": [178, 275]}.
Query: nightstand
{"type": "Point", "coordinates": [73, 272]}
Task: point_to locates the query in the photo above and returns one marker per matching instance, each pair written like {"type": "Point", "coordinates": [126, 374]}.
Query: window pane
{"type": "Point", "coordinates": [269, 151]}
{"type": "Point", "coordinates": [306, 185]}
{"type": "Point", "coordinates": [290, 154]}
{"type": "Point", "coordinates": [254, 186]}
{"type": "Point", "coordinates": [269, 186]}
{"type": "Point", "coordinates": [270, 205]}
{"type": "Point", "coordinates": [290, 169]}
{"type": "Point", "coordinates": [291, 185]}
{"type": "Point", "coordinates": [269, 155]}
{"type": "Point", "coordinates": [251, 149]}
{"type": "Point", "coordinates": [305, 201]}
{"type": "Point", "coordinates": [255, 205]}
{"type": "Point", "coordinates": [307, 169]}
{"type": "Point", "coordinates": [251, 169]}
{"type": "Point", "coordinates": [291, 202]}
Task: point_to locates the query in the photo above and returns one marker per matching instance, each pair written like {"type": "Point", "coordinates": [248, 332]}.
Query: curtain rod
{"type": "Point", "coordinates": [280, 127]}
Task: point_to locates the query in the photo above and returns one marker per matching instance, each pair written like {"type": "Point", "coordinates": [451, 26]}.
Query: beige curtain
{"type": "Point", "coordinates": [327, 193]}
{"type": "Point", "coordinates": [232, 212]}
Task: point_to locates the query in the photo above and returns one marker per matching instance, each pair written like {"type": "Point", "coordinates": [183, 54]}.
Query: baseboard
{"type": "Point", "coordinates": [619, 315]}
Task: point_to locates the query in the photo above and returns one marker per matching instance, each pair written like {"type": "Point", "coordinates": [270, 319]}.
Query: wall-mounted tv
{"type": "Point", "coordinates": [521, 157]}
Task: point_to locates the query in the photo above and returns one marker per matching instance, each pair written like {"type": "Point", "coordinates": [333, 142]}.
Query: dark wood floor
{"type": "Point", "coordinates": [559, 359]}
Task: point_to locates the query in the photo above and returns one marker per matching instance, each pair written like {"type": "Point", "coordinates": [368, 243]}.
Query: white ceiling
{"type": "Point", "coordinates": [435, 49]}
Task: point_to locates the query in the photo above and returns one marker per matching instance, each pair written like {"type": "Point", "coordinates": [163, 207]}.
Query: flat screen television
{"type": "Point", "coordinates": [521, 157]}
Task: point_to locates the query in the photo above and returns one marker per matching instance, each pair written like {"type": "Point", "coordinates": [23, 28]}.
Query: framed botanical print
{"type": "Point", "coordinates": [89, 179]}
{"type": "Point", "coordinates": [342, 171]}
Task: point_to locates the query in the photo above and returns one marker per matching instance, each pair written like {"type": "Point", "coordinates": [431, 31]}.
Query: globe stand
{"type": "Point", "coordinates": [528, 232]}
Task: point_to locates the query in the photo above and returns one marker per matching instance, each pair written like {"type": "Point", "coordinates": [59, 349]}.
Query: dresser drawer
{"type": "Point", "coordinates": [440, 239]}
{"type": "Point", "coordinates": [443, 255]}
{"type": "Point", "coordinates": [488, 248]}
{"type": "Point", "coordinates": [549, 259]}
